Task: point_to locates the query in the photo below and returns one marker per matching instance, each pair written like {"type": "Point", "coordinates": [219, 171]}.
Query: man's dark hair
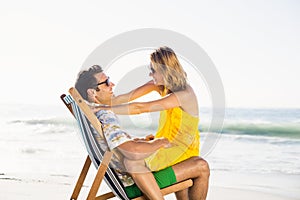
{"type": "Point", "coordinates": [87, 80]}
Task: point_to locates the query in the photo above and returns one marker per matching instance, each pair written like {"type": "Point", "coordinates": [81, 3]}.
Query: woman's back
{"type": "Point", "coordinates": [188, 101]}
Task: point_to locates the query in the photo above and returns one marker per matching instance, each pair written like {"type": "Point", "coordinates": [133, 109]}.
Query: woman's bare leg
{"type": "Point", "coordinates": [143, 178]}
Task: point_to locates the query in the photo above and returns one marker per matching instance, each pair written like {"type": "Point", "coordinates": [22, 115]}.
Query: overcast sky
{"type": "Point", "coordinates": [254, 45]}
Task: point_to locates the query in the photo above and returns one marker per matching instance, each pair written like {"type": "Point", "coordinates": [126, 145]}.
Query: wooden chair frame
{"type": "Point", "coordinates": [105, 162]}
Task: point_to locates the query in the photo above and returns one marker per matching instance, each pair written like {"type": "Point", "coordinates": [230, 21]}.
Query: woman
{"type": "Point", "coordinates": [178, 109]}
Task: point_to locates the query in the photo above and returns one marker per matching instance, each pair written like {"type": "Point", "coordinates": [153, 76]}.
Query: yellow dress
{"type": "Point", "coordinates": [182, 131]}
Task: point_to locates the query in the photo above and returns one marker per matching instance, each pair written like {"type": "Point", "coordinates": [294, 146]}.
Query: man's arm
{"type": "Point", "coordinates": [140, 149]}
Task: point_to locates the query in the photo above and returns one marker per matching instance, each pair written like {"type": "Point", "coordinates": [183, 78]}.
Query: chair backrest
{"type": "Point", "coordinates": [94, 150]}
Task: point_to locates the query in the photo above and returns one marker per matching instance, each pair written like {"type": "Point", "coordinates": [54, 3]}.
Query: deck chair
{"type": "Point", "coordinates": [86, 119]}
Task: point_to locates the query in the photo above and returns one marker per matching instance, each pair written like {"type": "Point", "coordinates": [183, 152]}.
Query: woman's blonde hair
{"type": "Point", "coordinates": [165, 61]}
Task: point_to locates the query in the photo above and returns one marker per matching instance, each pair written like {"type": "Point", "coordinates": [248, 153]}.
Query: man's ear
{"type": "Point", "coordinates": [91, 93]}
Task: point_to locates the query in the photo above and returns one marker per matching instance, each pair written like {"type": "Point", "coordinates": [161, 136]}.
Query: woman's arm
{"type": "Point", "coordinates": [185, 99]}
{"type": "Point", "coordinates": [134, 94]}
{"type": "Point", "coordinates": [167, 102]}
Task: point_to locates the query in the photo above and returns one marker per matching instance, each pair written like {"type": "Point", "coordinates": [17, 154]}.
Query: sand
{"type": "Point", "coordinates": [55, 186]}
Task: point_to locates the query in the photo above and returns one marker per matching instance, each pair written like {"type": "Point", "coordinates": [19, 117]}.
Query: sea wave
{"type": "Point", "coordinates": [286, 130]}
{"type": "Point", "coordinates": [289, 130]}
{"type": "Point", "coordinates": [50, 121]}
{"type": "Point", "coordinates": [45, 126]}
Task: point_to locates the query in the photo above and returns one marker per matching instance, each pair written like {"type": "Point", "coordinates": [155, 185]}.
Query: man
{"type": "Point", "coordinates": [95, 87]}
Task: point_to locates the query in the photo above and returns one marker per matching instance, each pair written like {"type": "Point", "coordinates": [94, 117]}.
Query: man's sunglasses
{"type": "Point", "coordinates": [107, 82]}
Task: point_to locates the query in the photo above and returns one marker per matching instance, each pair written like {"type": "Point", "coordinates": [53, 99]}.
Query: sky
{"type": "Point", "coordinates": [254, 45]}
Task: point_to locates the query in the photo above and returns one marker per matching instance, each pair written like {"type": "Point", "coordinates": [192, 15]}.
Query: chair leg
{"type": "Point", "coordinates": [105, 196]}
{"type": "Point", "coordinates": [81, 178]}
{"type": "Point", "coordinates": [99, 176]}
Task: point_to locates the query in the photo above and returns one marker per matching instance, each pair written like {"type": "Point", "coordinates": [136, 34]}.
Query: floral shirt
{"type": "Point", "coordinates": [115, 136]}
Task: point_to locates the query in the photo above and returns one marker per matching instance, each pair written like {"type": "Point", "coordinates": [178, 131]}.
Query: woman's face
{"type": "Point", "coordinates": [157, 76]}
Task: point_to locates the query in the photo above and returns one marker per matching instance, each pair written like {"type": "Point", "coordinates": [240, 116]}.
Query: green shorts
{"type": "Point", "coordinates": [164, 178]}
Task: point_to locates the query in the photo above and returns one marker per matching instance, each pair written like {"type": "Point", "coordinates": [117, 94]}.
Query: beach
{"type": "Point", "coordinates": [42, 155]}
{"type": "Point", "coordinates": [60, 186]}
{"type": "Point", "coordinates": [242, 55]}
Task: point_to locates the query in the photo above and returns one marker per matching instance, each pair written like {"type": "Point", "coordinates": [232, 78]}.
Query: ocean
{"type": "Point", "coordinates": [44, 139]}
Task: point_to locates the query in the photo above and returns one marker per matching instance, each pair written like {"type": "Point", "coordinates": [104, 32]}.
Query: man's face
{"type": "Point", "coordinates": [105, 91]}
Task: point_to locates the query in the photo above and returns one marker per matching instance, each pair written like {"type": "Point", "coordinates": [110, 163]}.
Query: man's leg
{"type": "Point", "coordinates": [143, 178]}
{"type": "Point", "coordinates": [197, 169]}
{"type": "Point", "coordinates": [182, 195]}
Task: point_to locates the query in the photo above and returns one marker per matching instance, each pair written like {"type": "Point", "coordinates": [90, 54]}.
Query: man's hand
{"type": "Point", "coordinates": [164, 142]}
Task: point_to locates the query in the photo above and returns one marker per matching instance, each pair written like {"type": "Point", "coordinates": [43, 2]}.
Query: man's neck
{"type": "Point", "coordinates": [104, 102]}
